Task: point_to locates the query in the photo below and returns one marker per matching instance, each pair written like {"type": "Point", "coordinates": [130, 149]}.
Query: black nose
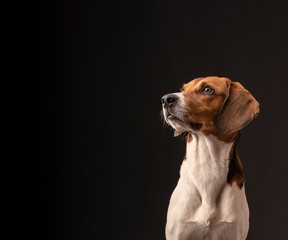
{"type": "Point", "coordinates": [169, 99]}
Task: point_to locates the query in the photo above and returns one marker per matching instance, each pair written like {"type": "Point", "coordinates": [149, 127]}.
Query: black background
{"type": "Point", "coordinates": [105, 166]}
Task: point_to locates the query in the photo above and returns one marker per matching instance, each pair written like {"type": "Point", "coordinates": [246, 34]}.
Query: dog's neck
{"type": "Point", "coordinates": [208, 160]}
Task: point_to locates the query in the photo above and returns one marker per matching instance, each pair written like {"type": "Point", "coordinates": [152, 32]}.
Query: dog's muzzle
{"type": "Point", "coordinates": [170, 105]}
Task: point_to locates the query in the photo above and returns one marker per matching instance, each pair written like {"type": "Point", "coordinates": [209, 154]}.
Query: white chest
{"type": "Point", "coordinates": [203, 205]}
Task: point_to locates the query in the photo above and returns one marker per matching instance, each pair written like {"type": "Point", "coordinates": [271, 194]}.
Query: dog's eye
{"type": "Point", "coordinates": [208, 90]}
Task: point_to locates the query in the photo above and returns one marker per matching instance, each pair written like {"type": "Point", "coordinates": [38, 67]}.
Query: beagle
{"type": "Point", "coordinates": [209, 201]}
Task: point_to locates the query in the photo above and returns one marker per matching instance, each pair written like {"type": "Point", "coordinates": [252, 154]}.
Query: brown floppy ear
{"type": "Point", "coordinates": [239, 109]}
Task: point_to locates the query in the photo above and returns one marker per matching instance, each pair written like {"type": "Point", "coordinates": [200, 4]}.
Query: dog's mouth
{"type": "Point", "coordinates": [196, 126]}
{"type": "Point", "coordinates": [193, 125]}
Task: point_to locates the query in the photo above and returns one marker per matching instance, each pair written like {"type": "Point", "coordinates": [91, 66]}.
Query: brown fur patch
{"type": "Point", "coordinates": [239, 109]}
{"type": "Point", "coordinates": [235, 172]}
{"type": "Point", "coordinates": [214, 111]}
{"type": "Point", "coordinates": [189, 137]}
{"type": "Point", "coordinates": [205, 108]}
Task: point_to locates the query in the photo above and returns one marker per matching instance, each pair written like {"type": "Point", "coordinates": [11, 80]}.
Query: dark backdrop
{"type": "Point", "coordinates": [104, 165]}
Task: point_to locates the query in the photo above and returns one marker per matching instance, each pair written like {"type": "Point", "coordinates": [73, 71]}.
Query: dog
{"type": "Point", "coordinates": [209, 201]}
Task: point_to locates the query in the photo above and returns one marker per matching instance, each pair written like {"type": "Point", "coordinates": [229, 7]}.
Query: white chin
{"type": "Point", "coordinates": [177, 126]}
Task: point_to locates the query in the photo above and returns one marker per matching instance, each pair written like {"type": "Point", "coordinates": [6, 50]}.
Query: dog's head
{"type": "Point", "coordinates": [211, 105]}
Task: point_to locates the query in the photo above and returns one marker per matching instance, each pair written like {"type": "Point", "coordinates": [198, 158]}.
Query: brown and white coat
{"type": "Point", "coordinates": [209, 201]}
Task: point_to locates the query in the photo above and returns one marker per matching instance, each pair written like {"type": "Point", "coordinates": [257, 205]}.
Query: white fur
{"type": "Point", "coordinates": [203, 205]}
{"type": "Point", "coordinates": [178, 112]}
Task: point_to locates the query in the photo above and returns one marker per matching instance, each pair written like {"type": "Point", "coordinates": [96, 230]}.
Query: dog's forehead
{"type": "Point", "coordinates": [215, 82]}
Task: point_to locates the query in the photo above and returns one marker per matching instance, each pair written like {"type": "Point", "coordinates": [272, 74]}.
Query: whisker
{"type": "Point", "coordinates": [164, 123]}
